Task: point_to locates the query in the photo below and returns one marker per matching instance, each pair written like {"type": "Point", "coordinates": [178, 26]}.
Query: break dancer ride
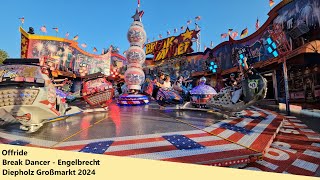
{"type": "Point", "coordinates": [134, 76]}
{"type": "Point", "coordinates": [96, 90]}
{"type": "Point", "coordinates": [253, 88]}
{"type": "Point", "coordinates": [167, 96]}
{"type": "Point", "coordinates": [202, 93]}
{"type": "Point", "coordinates": [28, 96]}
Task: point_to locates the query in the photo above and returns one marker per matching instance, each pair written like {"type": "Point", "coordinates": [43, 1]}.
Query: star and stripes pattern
{"type": "Point", "coordinates": [96, 147]}
{"type": "Point", "coordinates": [292, 147]}
{"type": "Point", "coordinates": [182, 142]}
{"type": "Point", "coordinates": [235, 128]}
{"type": "Point", "coordinates": [133, 100]}
{"type": "Point", "coordinates": [295, 150]}
{"type": "Point", "coordinates": [204, 147]}
{"type": "Point", "coordinates": [43, 29]}
{"type": "Point", "coordinates": [257, 24]}
{"type": "Point", "coordinates": [21, 20]}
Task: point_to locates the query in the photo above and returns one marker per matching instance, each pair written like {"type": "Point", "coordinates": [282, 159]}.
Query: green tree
{"type": "Point", "coordinates": [3, 55]}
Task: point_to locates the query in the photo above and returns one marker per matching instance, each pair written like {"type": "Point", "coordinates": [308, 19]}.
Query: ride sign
{"type": "Point", "coordinates": [172, 46]}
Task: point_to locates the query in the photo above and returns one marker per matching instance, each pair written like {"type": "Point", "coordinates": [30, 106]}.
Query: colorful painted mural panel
{"type": "Point", "coordinates": [64, 55]}
{"type": "Point", "coordinates": [300, 21]}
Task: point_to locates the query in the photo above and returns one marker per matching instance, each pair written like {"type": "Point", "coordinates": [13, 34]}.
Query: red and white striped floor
{"type": "Point", "coordinates": [285, 144]}
{"type": "Point", "coordinates": [295, 150]}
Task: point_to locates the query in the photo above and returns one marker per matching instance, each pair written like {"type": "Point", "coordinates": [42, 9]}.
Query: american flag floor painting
{"type": "Point", "coordinates": [295, 150]}
{"type": "Point", "coordinates": [256, 139]}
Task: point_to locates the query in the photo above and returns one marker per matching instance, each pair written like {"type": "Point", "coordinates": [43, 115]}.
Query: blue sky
{"type": "Point", "coordinates": [100, 23]}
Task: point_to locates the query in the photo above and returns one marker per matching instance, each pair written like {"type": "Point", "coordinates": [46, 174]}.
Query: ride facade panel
{"type": "Point", "coordinates": [65, 61]}
{"type": "Point", "coordinates": [63, 55]}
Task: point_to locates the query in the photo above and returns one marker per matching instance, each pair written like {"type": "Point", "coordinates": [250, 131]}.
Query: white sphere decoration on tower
{"type": "Point", "coordinates": [136, 34]}
{"type": "Point", "coordinates": [135, 54]}
{"type": "Point", "coordinates": [134, 78]}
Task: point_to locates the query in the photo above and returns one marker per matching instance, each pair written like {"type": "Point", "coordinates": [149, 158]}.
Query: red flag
{"type": "Point", "coordinates": [84, 45]}
{"type": "Point", "coordinates": [257, 24]}
{"type": "Point", "coordinates": [224, 35]}
{"type": "Point", "coordinates": [95, 49]}
{"type": "Point", "coordinates": [198, 18]}
{"type": "Point", "coordinates": [271, 3]}
{"type": "Point", "coordinates": [43, 29]}
{"type": "Point", "coordinates": [76, 38]}
{"type": "Point", "coordinates": [56, 29]}
{"type": "Point", "coordinates": [234, 34]}
{"type": "Point", "coordinates": [244, 33]}
{"type": "Point", "coordinates": [22, 20]}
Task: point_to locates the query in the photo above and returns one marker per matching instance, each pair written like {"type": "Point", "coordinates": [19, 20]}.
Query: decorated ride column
{"type": "Point", "coordinates": [134, 76]}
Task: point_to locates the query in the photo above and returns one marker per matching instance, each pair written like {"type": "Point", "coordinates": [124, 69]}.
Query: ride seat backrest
{"type": "Point", "coordinates": [225, 99]}
{"type": "Point", "coordinates": [99, 98]}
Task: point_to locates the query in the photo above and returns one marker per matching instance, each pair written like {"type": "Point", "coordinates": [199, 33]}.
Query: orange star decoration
{"type": "Point", "coordinates": [24, 46]}
{"type": "Point", "coordinates": [187, 35]}
{"type": "Point", "coordinates": [23, 40]}
{"type": "Point", "coordinates": [24, 49]}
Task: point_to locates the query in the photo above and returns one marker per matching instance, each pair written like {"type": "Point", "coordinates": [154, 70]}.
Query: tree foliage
{"type": "Point", "coordinates": [3, 55]}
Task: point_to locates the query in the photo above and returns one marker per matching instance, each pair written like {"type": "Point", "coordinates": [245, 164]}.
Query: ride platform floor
{"type": "Point", "coordinates": [171, 135]}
